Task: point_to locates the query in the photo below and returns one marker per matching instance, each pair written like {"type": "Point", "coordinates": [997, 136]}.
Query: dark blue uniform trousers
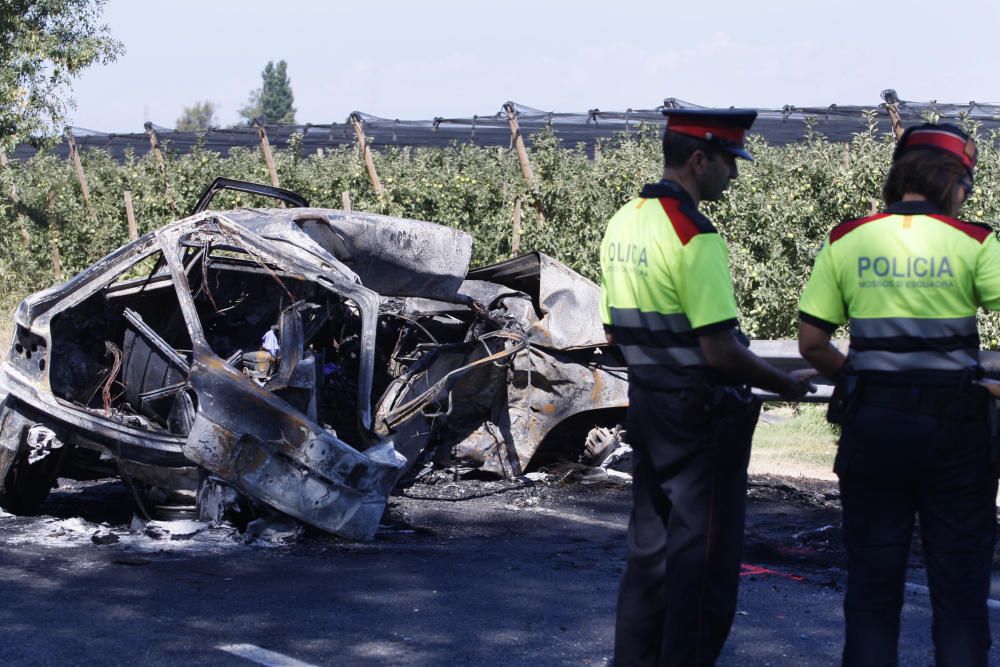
{"type": "Point", "coordinates": [894, 463]}
{"type": "Point", "coordinates": [678, 593]}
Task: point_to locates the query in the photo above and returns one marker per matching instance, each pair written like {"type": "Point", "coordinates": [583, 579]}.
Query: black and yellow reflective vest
{"type": "Point", "coordinates": [908, 281]}
{"type": "Point", "coordinates": [664, 280]}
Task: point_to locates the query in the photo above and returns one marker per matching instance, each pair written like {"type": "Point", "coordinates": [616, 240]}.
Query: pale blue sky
{"type": "Point", "coordinates": [417, 60]}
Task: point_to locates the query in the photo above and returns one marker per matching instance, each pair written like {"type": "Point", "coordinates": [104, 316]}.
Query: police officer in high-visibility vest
{"type": "Point", "coordinates": [915, 429]}
{"type": "Point", "coordinates": [667, 302]}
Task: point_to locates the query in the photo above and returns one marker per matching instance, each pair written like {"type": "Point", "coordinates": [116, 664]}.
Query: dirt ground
{"type": "Point", "coordinates": [460, 573]}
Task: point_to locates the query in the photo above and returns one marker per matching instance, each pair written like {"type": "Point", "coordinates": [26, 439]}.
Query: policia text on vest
{"type": "Point", "coordinates": [915, 426]}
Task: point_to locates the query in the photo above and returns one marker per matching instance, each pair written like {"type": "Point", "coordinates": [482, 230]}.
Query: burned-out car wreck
{"type": "Point", "coordinates": [303, 360]}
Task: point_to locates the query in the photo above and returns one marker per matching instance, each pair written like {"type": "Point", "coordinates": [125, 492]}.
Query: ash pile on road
{"type": "Point", "coordinates": [789, 520]}
{"type": "Point", "coordinates": [104, 513]}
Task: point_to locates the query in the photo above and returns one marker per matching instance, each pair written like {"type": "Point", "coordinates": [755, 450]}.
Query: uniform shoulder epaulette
{"type": "Point", "coordinates": [687, 220]}
{"type": "Point", "coordinates": [848, 226]}
{"type": "Point", "coordinates": [977, 230]}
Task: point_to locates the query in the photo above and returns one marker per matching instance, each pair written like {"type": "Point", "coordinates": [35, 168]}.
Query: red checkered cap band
{"type": "Point", "coordinates": [964, 150]}
{"type": "Point", "coordinates": [701, 129]}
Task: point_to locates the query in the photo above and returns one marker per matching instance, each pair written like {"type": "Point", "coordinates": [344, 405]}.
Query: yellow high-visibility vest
{"type": "Point", "coordinates": [664, 280]}
{"type": "Point", "coordinates": [909, 281]}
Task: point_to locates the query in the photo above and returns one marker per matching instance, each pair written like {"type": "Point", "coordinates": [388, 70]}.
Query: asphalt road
{"type": "Point", "coordinates": [469, 573]}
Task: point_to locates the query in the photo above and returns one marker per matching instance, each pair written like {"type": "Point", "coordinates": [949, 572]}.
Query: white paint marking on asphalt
{"type": "Point", "coordinates": [917, 588]}
{"type": "Point", "coordinates": [567, 515]}
{"type": "Point", "coordinates": [262, 656]}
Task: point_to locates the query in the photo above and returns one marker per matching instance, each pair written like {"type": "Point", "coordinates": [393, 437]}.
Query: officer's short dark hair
{"type": "Point", "coordinates": [677, 148]}
{"type": "Point", "coordinates": [925, 172]}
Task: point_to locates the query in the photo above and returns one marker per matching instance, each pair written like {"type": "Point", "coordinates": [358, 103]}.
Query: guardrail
{"type": "Point", "coordinates": [785, 355]}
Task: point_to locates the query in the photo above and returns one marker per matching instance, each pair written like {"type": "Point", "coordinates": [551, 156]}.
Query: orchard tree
{"type": "Point", "coordinates": [273, 100]}
{"type": "Point", "coordinates": [44, 45]}
{"type": "Point", "coordinates": [197, 117]}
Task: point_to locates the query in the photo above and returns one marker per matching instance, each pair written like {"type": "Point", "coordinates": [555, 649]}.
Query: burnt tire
{"type": "Point", "coordinates": [24, 486]}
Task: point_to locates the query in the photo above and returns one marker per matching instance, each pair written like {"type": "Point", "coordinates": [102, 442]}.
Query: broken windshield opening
{"type": "Point", "coordinates": [290, 335]}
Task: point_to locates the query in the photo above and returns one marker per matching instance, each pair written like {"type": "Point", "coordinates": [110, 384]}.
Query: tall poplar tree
{"type": "Point", "coordinates": [276, 94]}
{"type": "Point", "coordinates": [273, 100]}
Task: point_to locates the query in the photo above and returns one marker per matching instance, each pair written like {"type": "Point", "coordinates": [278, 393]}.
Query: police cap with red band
{"type": "Point", "coordinates": [944, 138]}
{"type": "Point", "coordinates": [724, 127]}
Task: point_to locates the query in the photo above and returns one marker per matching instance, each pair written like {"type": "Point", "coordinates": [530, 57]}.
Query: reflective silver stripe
{"type": "Point", "coordinates": [936, 327]}
{"type": "Point", "coordinates": [641, 355]}
{"type": "Point", "coordinates": [877, 360]}
{"type": "Point", "coordinates": [640, 319]}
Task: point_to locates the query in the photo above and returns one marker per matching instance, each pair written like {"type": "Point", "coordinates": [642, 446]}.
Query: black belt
{"type": "Point", "coordinates": [956, 401]}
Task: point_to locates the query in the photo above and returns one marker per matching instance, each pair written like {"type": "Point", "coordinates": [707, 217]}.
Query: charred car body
{"type": "Point", "coordinates": [302, 358]}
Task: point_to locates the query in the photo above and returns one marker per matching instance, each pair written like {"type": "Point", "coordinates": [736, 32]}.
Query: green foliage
{"type": "Point", "coordinates": [774, 217]}
{"type": "Point", "coordinates": [276, 94]}
{"type": "Point", "coordinates": [777, 213]}
{"type": "Point", "coordinates": [44, 44]}
{"type": "Point", "coordinates": [197, 117]}
{"type": "Point", "coordinates": [273, 100]}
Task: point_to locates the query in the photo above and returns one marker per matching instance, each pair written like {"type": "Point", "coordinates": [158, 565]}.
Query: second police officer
{"type": "Point", "coordinates": [915, 435]}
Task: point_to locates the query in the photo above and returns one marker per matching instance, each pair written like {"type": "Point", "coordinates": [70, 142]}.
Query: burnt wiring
{"type": "Point", "coordinates": [417, 324]}
{"type": "Point", "coordinates": [116, 366]}
{"type": "Point", "coordinates": [204, 276]}
{"type": "Point", "coordinates": [407, 409]}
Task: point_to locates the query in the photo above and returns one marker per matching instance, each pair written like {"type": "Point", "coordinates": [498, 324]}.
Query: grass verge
{"type": "Point", "coordinates": [794, 441]}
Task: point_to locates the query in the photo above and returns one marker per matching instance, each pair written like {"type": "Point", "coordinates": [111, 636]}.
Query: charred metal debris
{"type": "Point", "coordinates": [303, 360]}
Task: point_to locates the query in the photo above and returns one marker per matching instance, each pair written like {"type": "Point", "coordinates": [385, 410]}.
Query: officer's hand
{"type": "Point", "coordinates": [992, 386]}
{"type": "Point", "coordinates": [806, 375]}
{"type": "Point", "coordinates": [800, 384]}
